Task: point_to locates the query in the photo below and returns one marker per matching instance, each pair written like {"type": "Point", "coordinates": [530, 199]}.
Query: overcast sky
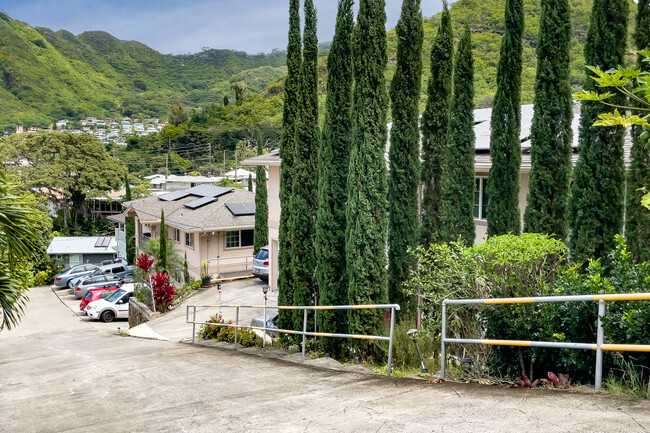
{"type": "Point", "coordinates": [177, 27]}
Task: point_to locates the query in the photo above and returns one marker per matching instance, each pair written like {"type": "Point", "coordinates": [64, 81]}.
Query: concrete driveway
{"type": "Point", "coordinates": [61, 374]}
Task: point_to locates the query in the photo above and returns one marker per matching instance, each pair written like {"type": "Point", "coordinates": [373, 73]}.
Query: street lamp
{"type": "Point", "coordinates": [265, 290]}
{"type": "Point", "coordinates": [411, 333]}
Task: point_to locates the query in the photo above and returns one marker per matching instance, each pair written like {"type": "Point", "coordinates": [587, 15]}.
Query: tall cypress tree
{"type": "Point", "coordinates": [304, 195]}
{"type": "Point", "coordinates": [365, 237]}
{"type": "Point", "coordinates": [289, 115]}
{"type": "Point", "coordinates": [596, 206]}
{"type": "Point", "coordinates": [129, 226]}
{"type": "Point", "coordinates": [503, 215]}
{"type": "Point", "coordinates": [250, 182]}
{"type": "Point", "coordinates": [333, 160]}
{"type": "Point", "coordinates": [637, 224]}
{"type": "Point", "coordinates": [403, 221]}
{"type": "Point", "coordinates": [261, 233]}
{"type": "Point", "coordinates": [435, 123]}
{"type": "Point", "coordinates": [162, 245]}
{"type": "Point", "coordinates": [458, 180]}
{"type": "Point", "coordinates": [551, 134]}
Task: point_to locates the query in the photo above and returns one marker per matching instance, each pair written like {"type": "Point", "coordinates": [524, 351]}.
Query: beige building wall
{"type": "Point", "coordinates": [481, 225]}
{"type": "Point", "coordinates": [274, 224]}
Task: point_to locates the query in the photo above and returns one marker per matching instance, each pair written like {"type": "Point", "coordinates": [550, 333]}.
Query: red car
{"type": "Point", "coordinates": [95, 294]}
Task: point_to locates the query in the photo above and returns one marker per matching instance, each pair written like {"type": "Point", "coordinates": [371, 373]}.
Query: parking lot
{"type": "Point", "coordinates": [173, 324]}
{"type": "Point", "coordinates": [66, 297]}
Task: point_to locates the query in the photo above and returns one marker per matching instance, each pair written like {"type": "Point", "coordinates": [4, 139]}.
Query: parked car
{"type": "Point", "coordinates": [95, 282]}
{"type": "Point", "coordinates": [115, 260]}
{"type": "Point", "coordinates": [95, 294]}
{"type": "Point", "coordinates": [271, 319]}
{"type": "Point", "coordinates": [114, 306]}
{"type": "Point", "coordinates": [75, 272]}
{"type": "Point", "coordinates": [261, 264]}
{"type": "Point", "coordinates": [119, 269]}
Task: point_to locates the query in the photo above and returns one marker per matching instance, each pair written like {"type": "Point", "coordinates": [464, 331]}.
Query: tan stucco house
{"type": "Point", "coordinates": [482, 165]}
{"type": "Point", "coordinates": [209, 223]}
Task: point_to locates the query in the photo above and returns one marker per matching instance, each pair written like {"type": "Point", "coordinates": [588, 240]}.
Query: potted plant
{"type": "Point", "coordinates": [205, 275]}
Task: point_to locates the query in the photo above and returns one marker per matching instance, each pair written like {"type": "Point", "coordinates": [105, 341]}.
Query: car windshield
{"type": "Point", "coordinates": [262, 255]}
{"type": "Point", "coordinates": [115, 296]}
{"type": "Point", "coordinates": [88, 295]}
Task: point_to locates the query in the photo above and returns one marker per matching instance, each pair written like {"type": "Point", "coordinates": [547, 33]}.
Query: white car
{"type": "Point", "coordinates": [115, 306]}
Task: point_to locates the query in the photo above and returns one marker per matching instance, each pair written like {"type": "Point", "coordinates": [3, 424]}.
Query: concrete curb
{"type": "Point", "coordinates": [144, 331]}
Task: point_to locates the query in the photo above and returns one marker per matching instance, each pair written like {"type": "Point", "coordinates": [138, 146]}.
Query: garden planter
{"type": "Point", "coordinates": [206, 282]}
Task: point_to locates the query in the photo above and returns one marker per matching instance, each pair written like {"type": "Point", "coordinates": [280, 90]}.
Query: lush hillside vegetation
{"type": "Point", "coordinates": [51, 75]}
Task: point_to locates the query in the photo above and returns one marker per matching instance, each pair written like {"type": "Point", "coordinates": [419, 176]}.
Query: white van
{"type": "Point", "coordinates": [115, 306]}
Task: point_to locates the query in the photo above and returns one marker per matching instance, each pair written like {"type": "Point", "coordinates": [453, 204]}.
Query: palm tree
{"type": "Point", "coordinates": [175, 262]}
{"type": "Point", "coordinates": [18, 239]}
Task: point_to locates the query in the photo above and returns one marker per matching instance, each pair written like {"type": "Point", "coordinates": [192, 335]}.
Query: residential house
{"type": "Point", "coordinates": [75, 250]}
{"type": "Point", "coordinates": [208, 223]}
{"type": "Point", "coordinates": [176, 183]}
{"type": "Point", "coordinates": [272, 161]}
{"type": "Point", "coordinates": [482, 165]}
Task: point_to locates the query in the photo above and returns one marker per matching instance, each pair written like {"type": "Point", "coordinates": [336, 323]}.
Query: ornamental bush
{"type": "Point", "coordinates": [245, 337]}
{"type": "Point", "coordinates": [534, 265]}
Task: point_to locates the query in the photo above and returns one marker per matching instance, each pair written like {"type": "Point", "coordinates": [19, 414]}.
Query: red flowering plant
{"type": "Point", "coordinates": [163, 292]}
{"type": "Point", "coordinates": [144, 262]}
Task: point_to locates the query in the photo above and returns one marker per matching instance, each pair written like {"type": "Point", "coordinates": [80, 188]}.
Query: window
{"type": "Point", "coordinates": [177, 235]}
{"type": "Point", "coordinates": [480, 198]}
{"type": "Point", "coordinates": [239, 238]}
{"type": "Point", "coordinates": [189, 240]}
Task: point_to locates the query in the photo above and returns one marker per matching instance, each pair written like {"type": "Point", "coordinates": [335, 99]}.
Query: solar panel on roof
{"type": "Point", "coordinates": [204, 190]}
{"type": "Point", "coordinates": [173, 196]}
{"type": "Point", "coordinates": [240, 209]}
{"type": "Point", "coordinates": [200, 202]}
{"type": "Point", "coordinates": [102, 242]}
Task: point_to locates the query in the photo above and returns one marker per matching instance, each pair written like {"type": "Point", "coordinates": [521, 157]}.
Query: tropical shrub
{"type": "Point", "coordinates": [245, 337]}
{"type": "Point", "coordinates": [42, 278]}
{"type": "Point", "coordinates": [532, 265]}
{"type": "Point", "coordinates": [163, 292]}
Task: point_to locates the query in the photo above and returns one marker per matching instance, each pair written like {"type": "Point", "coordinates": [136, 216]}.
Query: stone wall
{"type": "Point", "coordinates": [139, 313]}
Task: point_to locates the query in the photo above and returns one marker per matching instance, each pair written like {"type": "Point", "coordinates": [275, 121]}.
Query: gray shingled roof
{"type": "Point", "coordinates": [211, 217]}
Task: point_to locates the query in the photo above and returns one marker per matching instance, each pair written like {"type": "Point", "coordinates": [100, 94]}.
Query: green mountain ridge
{"type": "Point", "coordinates": [50, 75]}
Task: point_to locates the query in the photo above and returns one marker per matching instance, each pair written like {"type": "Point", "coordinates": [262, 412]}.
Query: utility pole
{"type": "Point", "coordinates": [224, 164]}
{"type": "Point", "coordinates": [210, 152]}
{"type": "Point", "coordinates": [169, 150]}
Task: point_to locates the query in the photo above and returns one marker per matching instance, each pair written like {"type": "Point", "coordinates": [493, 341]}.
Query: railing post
{"type": "Point", "coordinates": [389, 367]}
{"type": "Point", "coordinates": [236, 326]}
{"type": "Point", "coordinates": [599, 341]}
{"type": "Point", "coordinates": [443, 354]}
{"type": "Point", "coordinates": [304, 331]}
{"type": "Point", "coordinates": [193, 324]}
{"type": "Point", "coordinates": [264, 336]}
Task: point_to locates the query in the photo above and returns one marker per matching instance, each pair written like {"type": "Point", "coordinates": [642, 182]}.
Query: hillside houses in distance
{"type": "Point", "coordinates": [106, 130]}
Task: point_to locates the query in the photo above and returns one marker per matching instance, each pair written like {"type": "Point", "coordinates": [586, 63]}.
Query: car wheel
{"type": "Point", "coordinates": [107, 316]}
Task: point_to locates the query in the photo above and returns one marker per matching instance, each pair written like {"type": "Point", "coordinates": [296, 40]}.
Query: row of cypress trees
{"type": "Point", "coordinates": [333, 228]}
{"type": "Point", "coordinates": [594, 213]}
{"type": "Point", "coordinates": [333, 251]}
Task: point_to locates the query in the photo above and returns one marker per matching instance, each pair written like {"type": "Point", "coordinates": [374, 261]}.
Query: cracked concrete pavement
{"type": "Point", "coordinates": [59, 373]}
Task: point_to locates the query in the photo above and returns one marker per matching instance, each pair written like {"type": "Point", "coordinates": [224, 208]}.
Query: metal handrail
{"type": "Point", "coordinates": [304, 332]}
{"type": "Point", "coordinates": [599, 347]}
